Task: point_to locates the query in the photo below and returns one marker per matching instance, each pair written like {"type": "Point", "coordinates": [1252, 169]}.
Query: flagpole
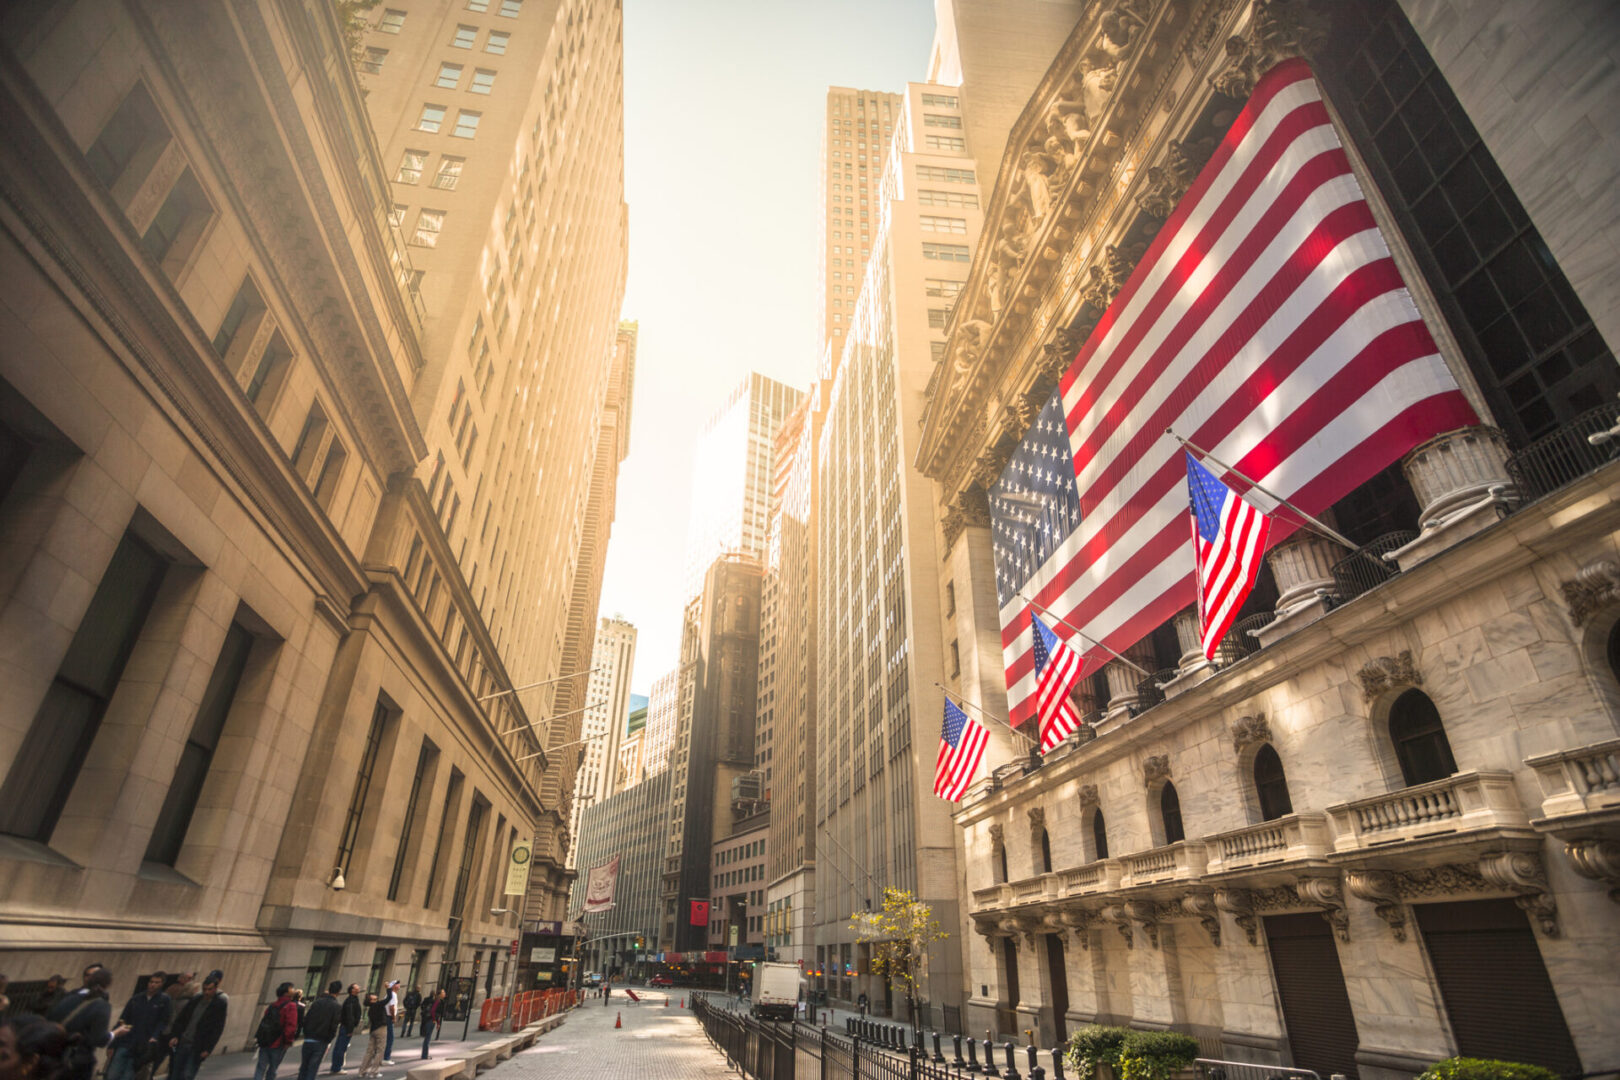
{"type": "Point", "coordinates": [981, 712]}
{"type": "Point", "coordinates": [1122, 659]}
{"type": "Point", "coordinates": [1305, 519]}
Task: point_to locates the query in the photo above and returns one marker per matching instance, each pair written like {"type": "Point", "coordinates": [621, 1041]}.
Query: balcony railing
{"type": "Point", "coordinates": [1294, 838]}
{"type": "Point", "coordinates": [1464, 802]}
{"type": "Point", "coordinates": [1034, 890]}
{"type": "Point", "coordinates": [993, 896]}
{"type": "Point", "coordinates": [1366, 568]}
{"type": "Point", "coordinates": [1092, 878]}
{"type": "Point", "coordinates": [1239, 643]}
{"type": "Point", "coordinates": [1150, 691]}
{"type": "Point", "coordinates": [1579, 781]}
{"type": "Point", "coordinates": [1182, 861]}
{"type": "Point", "coordinates": [1565, 455]}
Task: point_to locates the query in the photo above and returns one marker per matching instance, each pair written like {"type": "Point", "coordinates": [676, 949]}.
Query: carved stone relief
{"type": "Point", "coordinates": [1169, 180]}
{"type": "Point", "coordinates": [1595, 586]}
{"type": "Point", "coordinates": [1327, 894]}
{"type": "Point", "coordinates": [1387, 673]}
{"type": "Point", "coordinates": [1277, 30]}
{"type": "Point", "coordinates": [1239, 904]}
{"type": "Point", "coordinates": [1037, 818]}
{"type": "Point", "coordinates": [996, 840]}
{"type": "Point", "coordinates": [1599, 860]}
{"type": "Point", "coordinates": [1249, 730]}
{"type": "Point", "coordinates": [1379, 887]}
{"type": "Point", "coordinates": [1088, 795]}
{"type": "Point", "coordinates": [1201, 905]}
{"type": "Point", "coordinates": [1155, 768]}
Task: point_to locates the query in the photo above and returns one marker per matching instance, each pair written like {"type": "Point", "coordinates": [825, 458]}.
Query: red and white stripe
{"type": "Point", "coordinates": [957, 765]}
{"type": "Point", "coordinates": [1227, 567]}
{"type": "Point", "coordinates": [1267, 323]}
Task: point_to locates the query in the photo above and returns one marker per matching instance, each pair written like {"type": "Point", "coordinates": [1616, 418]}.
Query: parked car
{"type": "Point", "coordinates": [660, 980]}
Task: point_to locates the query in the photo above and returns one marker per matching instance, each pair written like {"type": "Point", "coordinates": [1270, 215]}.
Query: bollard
{"type": "Point", "coordinates": [990, 1057]}
{"type": "Point", "coordinates": [917, 1041]}
{"type": "Point", "coordinates": [1011, 1072]}
{"type": "Point", "coordinates": [1033, 1066]}
{"type": "Point", "coordinates": [1057, 1063]}
{"type": "Point", "coordinates": [939, 1055]}
{"type": "Point", "coordinates": [956, 1048]}
{"type": "Point", "coordinates": [973, 1056]}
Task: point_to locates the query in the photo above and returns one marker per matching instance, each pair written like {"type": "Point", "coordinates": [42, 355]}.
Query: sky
{"type": "Point", "coordinates": [724, 102]}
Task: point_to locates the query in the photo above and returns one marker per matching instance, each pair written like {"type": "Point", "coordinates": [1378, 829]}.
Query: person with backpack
{"type": "Point", "coordinates": [86, 1012]}
{"type": "Point", "coordinates": [278, 1029]}
{"type": "Point", "coordinates": [413, 1001]}
{"type": "Point", "coordinates": [33, 1048]}
{"type": "Point", "coordinates": [321, 1021]}
{"type": "Point", "coordinates": [432, 1014]}
{"type": "Point", "coordinates": [137, 1042]}
{"type": "Point", "coordinates": [348, 1024]}
{"type": "Point", "coordinates": [377, 1018]}
{"type": "Point", "coordinates": [196, 1031]}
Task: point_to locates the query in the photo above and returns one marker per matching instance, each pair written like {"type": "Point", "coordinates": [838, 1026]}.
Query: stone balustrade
{"type": "Point", "coordinates": [1462, 803]}
{"type": "Point", "coordinates": [1183, 861]}
{"type": "Point", "coordinates": [1034, 890]}
{"type": "Point", "coordinates": [1295, 838]}
{"type": "Point", "coordinates": [1584, 780]}
{"type": "Point", "coordinates": [991, 898]}
{"type": "Point", "coordinates": [1091, 879]}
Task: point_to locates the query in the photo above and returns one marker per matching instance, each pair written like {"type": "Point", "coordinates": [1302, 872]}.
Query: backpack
{"type": "Point", "coordinates": [269, 1031]}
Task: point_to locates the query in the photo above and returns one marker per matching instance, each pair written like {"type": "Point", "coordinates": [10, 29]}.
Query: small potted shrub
{"type": "Point", "coordinates": [1094, 1048]}
{"type": "Point", "coordinates": [1464, 1068]}
{"type": "Point", "coordinates": [1156, 1055]}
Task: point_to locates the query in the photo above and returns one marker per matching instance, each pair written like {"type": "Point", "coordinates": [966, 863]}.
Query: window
{"type": "Point", "coordinates": [266, 378]}
{"type": "Point", "coordinates": [496, 42]}
{"type": "Point", "coordinates": [135, 127]}
{"type": "Point", "coordinates": [937, 318]}
{"type": "Point", "coordinates": [1270, 785]}
{"type": "Point", "coordinates": [930, 197]}
{"type": "Point", "coordinates": [466, 124]}
{"type": "Point", "coordinates": [52, 753]}
{"type": "Point", "coordinates": [425, 761]}
{"type": "Point", "coordinates": [1043, 851]}
{"type": "Point", "coordinates": [392, 21]}
{"type": "Point", "coordinates": [449, 76]}
{"type": "Point", "coordinates": [191, 771]}
{"type": "Point", "coordinates": [1420, 740]}
{"type": "Point", "coordinates": [478, 5]}
{"type": "Point", "coordinates": [362, 787]}
{"type": "Point", "coordinates": [244, 308]}
{"type": "Point", "coordinates": [1099, 836]}
{"type": "Point", "coordinates": [942, 287]}
{"type": "Point", "coordinates": [1001, 863]}
{"type": "Point", "coordinates": [372, 62]}
{"type": "Point", "coordinates": [449, 173]}
{"type": "Point", "coordinates": [179, 221]}
{"type": "Point", "coordinates": [947, 252]}
{"type": "Point", "coordinates": [510, 8]}
{"type": "Point", "coordinates": [930, 223]}
{"type": "Point", "coordinates": [432, 118]}
{"type": "Point", "coordinates": [410, 167]}
{"type": "Point", "coordinates": [938, 121]}
{"type": "Point", "coordinates": [936, 351]}
{"type": "Point", "coordinates": [324, 486]}
{"type": "Point", "coordinates": [944, 142]}
{"type": "Point", "coordinates": [949, 176]}
{"type": "Point", "coordinates": [1170, 814]}
{"type": "Point", "coordinates": [396, 214]}
{"type": "Point", "coordinates": [464, 37]}
{"type": "Point", "coordinates": [310, 440]}
{"type": "Point", "coordinates": [943, 101]}
{"type": "Point", "coordinates": [469, 854]}
{"type": "Point", "coordinates": [483, 81]}
{"type": "Point", "coordinates": [429, 223]}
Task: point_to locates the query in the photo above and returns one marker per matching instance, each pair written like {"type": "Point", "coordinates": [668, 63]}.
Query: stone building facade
{"type": "Point", "coordinates": [225, 580]}
{"type": "Point", "coordinates": [1380, 830]}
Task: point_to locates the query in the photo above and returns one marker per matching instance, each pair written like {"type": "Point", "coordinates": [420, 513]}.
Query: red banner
{"type": "Point", "coordinates": [700, 913]}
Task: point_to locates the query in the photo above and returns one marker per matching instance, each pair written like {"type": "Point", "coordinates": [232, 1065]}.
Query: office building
{"type": "Point", "coordinates": [606, 711]}
{"type": "Point", "coordinates": [661, 723]}
{"type": "Point", "coordinates": [737, 889]}
{"type": "Point", "coordinates": [628, 824]}
{"type": "Point", "coordinates": [1373, 833]}
{"type": "Point", "coordinates": [854, 140]}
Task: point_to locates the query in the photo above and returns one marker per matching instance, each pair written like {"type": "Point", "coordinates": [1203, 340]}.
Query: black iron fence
{"type": "Point", "coordinates": [1565, 455]}
{"type": "Point", "coordinates": [1366, 568]}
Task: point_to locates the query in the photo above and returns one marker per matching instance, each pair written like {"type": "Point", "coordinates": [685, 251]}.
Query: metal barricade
{"type": "Point", "coordinates": [1212, 1069]}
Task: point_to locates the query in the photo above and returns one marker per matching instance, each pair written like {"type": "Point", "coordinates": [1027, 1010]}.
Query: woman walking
{"type": "Point", "coordinates": [432, 1013]}
{"type": "Point", "coordinates": [377, 1017]}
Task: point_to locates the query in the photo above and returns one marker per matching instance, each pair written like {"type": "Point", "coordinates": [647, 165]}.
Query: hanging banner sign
{"type": "Point", "coordinates": [601, 883]}
{"type": "Point", "coordinates": [700, 913]}
{"type": "Point", "coordinates": [517, 869]}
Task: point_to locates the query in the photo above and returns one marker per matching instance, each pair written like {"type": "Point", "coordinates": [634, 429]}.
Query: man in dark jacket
{"type": "Point", "coordinates": [283, 1015]}
{"type": "Point", "coordinates": [140, 1026]}
{"type": "Point", "coordinates": [321, 1022]}
{"type": "Point", "coordinates": [412, 1000]}
{"type": "Point", "coordinates": [348, 1024]}
{"type": "Point", "coordinates": [196, 1031]}
{"type": "Point", "coordinates": [86, 1012]}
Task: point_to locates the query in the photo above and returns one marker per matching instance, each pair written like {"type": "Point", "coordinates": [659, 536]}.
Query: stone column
{"type": "Point", "coordinates": [1192, 668]}
{"type": "Point", "coordinates": [1123, 680]}
{"type": "Point", "coordinates": [1461, 481]}
{"type": "Point", "coordinates": [1301, 565]}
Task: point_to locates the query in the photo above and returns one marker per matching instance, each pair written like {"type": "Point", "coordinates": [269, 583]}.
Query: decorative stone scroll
{"type": "Point", "coordinates": [1240, 905]}
{"type": "Point", "coordinates": [1277, 30]}
{"type": "Point", "coordinates": [1059, 353]}
{"type": "Point", "coordinates": [1249, 730]}
{"type": "Point", "coordinates": [1078, 921]}
{"type": "Point", "coordinates": [1385, 673]}
{"type": "Point", "coordinates": [1595, 586]}
{"type": "Point", "coordinates": [1037, 818]}
{"type": "Point", "coordinates": [1169, 180]}
{"type": "Point", "coordinates": [1106, 276]}
{"type": "Point", "coordinates": [997, 840]}
{"type": "Point", "coordinates": [1155, 769]}
{"type": "Point", "coordinates": [1521, 873]}
{"type": "Point", "coordinates": [1599, 860]}
{"type": "Point", "coordinates": [1200, 904]}
{"type": "Point", "coordinates": [968, 509]}
{"type": "Point", "coordinates": [1128, 916]}
{"type": "Point", "coordinates": [1379, 887]}
{"type": "Point", "coordinates": [1327, 894]}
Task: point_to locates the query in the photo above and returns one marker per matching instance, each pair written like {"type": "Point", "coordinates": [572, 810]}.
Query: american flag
{"type": "Point", "coordinates": [1266, 322]}
{"type": "Point", "coordinates": [1057, 671]}
{"type": "Point", "coordinates": [1229, 538]}
{"type": "Point", "coordinates": [961, 744]}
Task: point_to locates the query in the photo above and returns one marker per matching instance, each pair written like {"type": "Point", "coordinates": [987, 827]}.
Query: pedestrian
{"type": "Point", "coordinates": [196, 1030]}
{"type": "Point", "coordinates": [432, 1016]}
{"type": "Point", "coordinates": [348, 1024]}
{"type": "Point", "coordinates": [607, 992]}
{"type": "Point", "coordinates": [33, 1048]}
{"type": "Point", "coordinates": [377, 1017]}
{"type": "Point", "coordinates": [137, 1041]}
{"type": "Point", "coordinates": [298, 1002]}
{"type": "Point", "coordinates": [862, 1002]}
{"type": "Point", "coordinates": [55, 987]}
{"type": "Point", "coordinates": [413, 1001]}
{"type": "Point", "coordinates": [392, 1002]}
{"type": "Point", "coordinates": [86, 1012]}
{"type": "Point", "coordinates": [321, 1022]}
{"type": "Point", "coordinates": [278, 1029]}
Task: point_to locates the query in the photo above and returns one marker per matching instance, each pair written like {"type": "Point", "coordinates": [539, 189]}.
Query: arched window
{"type": "Point", "coordinates": [1271, 785]}
{"type": "Point", "coordinates": [1044, 845]}
{"type": "Point", "coordinates": [1170, 812]}
{"type": "Point", "coordinates": [1001, 863]}
{"type": "Point", "coordinates": [1420, 739]}
{"type": "Point", "coordinates": [1099, 834]}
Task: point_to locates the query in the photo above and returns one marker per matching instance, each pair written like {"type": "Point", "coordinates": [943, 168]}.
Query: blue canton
{"type": "Point", "coordinates": [1208, 496]}
{"type": "Point", "coordinates": [1035, 504]}
{"type": "Point", "coordinates": [955, 721]}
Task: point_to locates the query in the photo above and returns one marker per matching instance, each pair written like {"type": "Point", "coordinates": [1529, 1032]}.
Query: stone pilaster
{"type": "Point", "coordinates": [1461, 481]}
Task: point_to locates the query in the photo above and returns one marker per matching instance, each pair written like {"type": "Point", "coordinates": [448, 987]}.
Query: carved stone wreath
{"type": "Point", "coordinates": [1088, 795]}
{"type": "Point", "coordinates": [1386, 673]}
{"type": "Point", "coordinates": [1155, 768]}
{"type": "Point", "coordinates": [1596, 586]}
{"type": "Point", "coordinates": [1249, 730]}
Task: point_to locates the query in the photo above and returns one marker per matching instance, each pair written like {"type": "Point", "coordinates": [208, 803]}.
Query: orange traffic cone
{"type": "Point", "coordinates": [666, 1001]}
{"type": "Point", "coordinates": [618, 1021]}
{"type": "Point", "coordinates": [683, 1001]}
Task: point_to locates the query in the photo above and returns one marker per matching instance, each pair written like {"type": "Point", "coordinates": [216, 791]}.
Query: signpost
{"type": "Point", "coordinates": [517, 884]}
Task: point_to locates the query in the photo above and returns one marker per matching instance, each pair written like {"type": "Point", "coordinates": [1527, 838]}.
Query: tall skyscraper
{"type": "Point", "coordinates": [879, 654]}
{"type": "Point", "coordinates": [732, 477]}
{"type": "Point", "coordinates": [606, 713]}
{"type": "Point", "coordinates": [662, 708]}
{"type": "Point", "coordinates": [859, 126]}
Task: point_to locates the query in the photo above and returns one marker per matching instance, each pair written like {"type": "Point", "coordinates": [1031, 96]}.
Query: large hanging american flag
{"type": "Point", "coordinates": [1266, 322]}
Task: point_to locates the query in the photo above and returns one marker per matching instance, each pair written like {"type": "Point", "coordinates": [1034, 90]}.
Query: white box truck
{"type": "Point", "coordinates": [776, 991]}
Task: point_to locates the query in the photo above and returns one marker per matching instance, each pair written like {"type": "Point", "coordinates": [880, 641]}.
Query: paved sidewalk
{"type": "Point", "coordinates": [656, 1043]}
